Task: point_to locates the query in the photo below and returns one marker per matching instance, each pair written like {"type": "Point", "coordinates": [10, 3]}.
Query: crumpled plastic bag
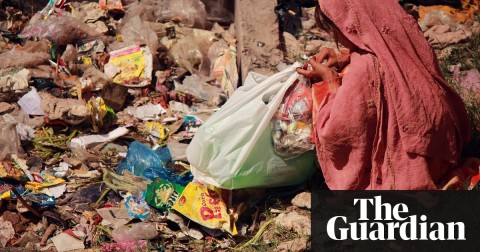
{"type": "Point", "coordinates": [443, 34]}
{"type": "Point", "coordinates": [61, 30]}
{"type": "Point", "coordinates": [143, 161]}
{"type": "Point", "coordinates": [192, 50]}
{"type": "Point", "coordinates": [135, 33]}
{"type": "Point", "coordinates": [195, 86]}
{"type": "Point", "coordinates": [135, 232]}
{"type": "Point", "coordinates": [191, 13]}
{"type": "Point", "coordinates": [6, 232]}
{"type": "Point", "coordinates": [88, 12]}
{"type": "Point", "coordinates": [469, 79]}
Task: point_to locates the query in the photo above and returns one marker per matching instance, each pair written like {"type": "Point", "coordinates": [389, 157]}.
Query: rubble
{"type": "Point", "coordinates": [298, 244]}
{"type": "Point", "coordinates": [6, 232]}
{"type": "Point", "coordinates": [303, 200]}
{"type": "Point", "coordinates": [295, 222]}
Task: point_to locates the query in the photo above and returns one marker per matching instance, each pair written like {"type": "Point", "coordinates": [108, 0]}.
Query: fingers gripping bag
{"type": "Point", "coordinates": [233, 149]}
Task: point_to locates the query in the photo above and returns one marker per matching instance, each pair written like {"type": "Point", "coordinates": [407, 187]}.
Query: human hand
{"type": "Point", "coordinates": [327, 54]}
{"type": "Point", "coordinates": [319, 71]}
{"type": "Point", "coordinates": [333, 59]}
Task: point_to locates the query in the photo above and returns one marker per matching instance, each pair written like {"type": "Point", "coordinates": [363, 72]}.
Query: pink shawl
{"type": "Point", "coordinates": [394, 123]}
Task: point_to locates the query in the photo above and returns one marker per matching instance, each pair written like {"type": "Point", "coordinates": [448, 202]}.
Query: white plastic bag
{"type": "Point", "coordinates": [233, 149]}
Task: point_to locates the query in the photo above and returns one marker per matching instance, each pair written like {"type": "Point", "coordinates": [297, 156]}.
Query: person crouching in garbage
{"type": "Point", "coordinates": [390, 122]}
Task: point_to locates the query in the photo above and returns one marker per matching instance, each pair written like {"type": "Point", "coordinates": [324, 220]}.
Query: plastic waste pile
{"type": "Point", "coordinates": [445, 22]}
{"type": "Point", "coordinates": [98, 103]}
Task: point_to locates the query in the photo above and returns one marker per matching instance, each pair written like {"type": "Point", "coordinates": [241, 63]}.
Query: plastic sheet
{"type": "Point", "coordinates": [195, 86]}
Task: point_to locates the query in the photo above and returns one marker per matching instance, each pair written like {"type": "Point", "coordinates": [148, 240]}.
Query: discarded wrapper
{"type": "Point", "coordinates": [111, 5]}
{"type": "Point", "coordinates": [137, 207]}
{"type": "Point", "coordinates": [38, 201]}
{"type": "Point", "coordinates": [225, 70]}
{"type": "Point", "coordinates": [43, 180]}
{"type": "Point", "coordinates": [136, 65]}
{"type": "Point", "coordinates": [9, 171]}
{"type": "Point", "coordinates": [146, 112]}
{"type": "Point", "coordinates": [162, 194]}
{"type": "Point", "coordinates": [155, 129]}
{"type": "Point", "coordinates": [98, 111]}
{"type": "Point", "coordinates": [5, 190]}
{"type": "Point", "coordinates": [206, 207]}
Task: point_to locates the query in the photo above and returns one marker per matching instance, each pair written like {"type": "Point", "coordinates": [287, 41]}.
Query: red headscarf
{"type": "Point", "coordinates": [416, 109]}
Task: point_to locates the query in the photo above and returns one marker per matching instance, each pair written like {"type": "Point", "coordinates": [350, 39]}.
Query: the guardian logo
{"type": "Point", "coordinates": [391, 223]}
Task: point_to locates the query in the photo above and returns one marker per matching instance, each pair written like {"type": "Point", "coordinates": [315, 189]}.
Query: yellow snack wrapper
{"type": "Point", "coordinates": [155, 129]}
{"type": "Point", "coordinates": [8, 170]}
{"type": "Point", "coordinates": [4, 191]}
{"type": "Point", "coordinates": [98, 110]}
{"type": "Point", "coordinates": [42, 180]}
{"type": "Point", "coordinates": [225, 70]}
{"type": "Point", "coordinates": [206, 207]}
{"type": "Point", "coordinates": [135, 64]}
{"type": "Point", "coordinates": [86, 60]}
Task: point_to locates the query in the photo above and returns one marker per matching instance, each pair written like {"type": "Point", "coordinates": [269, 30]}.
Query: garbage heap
{"type": "Point", "coordinates": [98, 102]}
{"type": "Point", "coordinates": [444, 23]}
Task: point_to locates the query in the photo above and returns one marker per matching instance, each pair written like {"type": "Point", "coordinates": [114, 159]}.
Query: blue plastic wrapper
{"type": "Point", "coordinates": [169, 175]}
{"type": "Point", "coordinates": [143, 161]}
{"type": "Point", "coordinates": [137, 207]}
{"type": "Point", "coordinates": [40, 201]}
{"type": "Point", "coordinates": [190, 119]}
